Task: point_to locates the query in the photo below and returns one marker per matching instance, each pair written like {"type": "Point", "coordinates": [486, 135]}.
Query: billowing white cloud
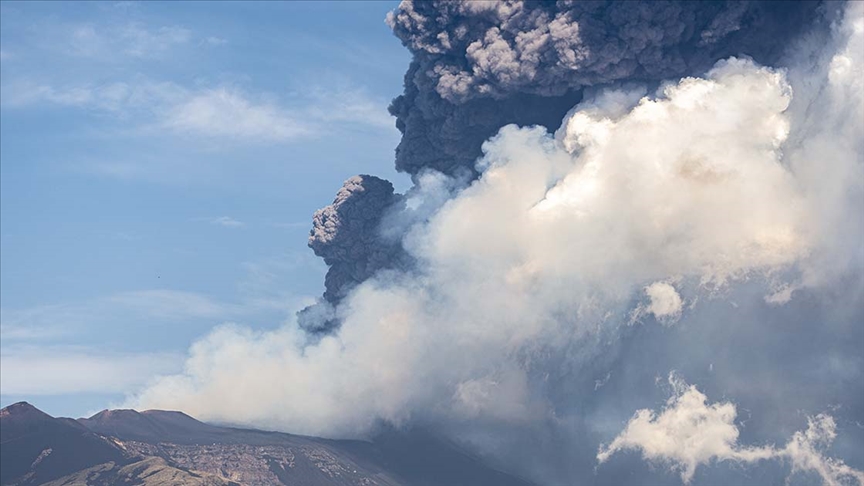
{"type": "Point", "coordinates": [509, 257]}
{"type": "Point", "coordinates": [665, 301]}
{"type": "Point", "coordinates": [690, 432]}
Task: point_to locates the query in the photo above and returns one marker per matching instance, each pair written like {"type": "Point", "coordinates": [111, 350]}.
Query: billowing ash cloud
{"type": "Point", "coordinates": [533, 58]}
{"type": "Point", "coordinates": [446, 137]}
{"type": "Point", "coordinates": [708, 224]}
{"type": "Point", "coordinates": [346, 235]}
{"type": "Point", "coordinates": [482, 49]}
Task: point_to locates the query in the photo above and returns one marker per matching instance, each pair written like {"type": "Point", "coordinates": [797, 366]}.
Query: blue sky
{"type": "Point", "coordinates": [159, 167]}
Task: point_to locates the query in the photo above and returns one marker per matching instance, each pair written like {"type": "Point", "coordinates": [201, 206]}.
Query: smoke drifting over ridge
{"type": "Point", "coordinates": [525, 302]}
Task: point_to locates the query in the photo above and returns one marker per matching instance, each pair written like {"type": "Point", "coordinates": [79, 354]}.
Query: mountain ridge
{"type": "Point", "coordinates": [171, 447]}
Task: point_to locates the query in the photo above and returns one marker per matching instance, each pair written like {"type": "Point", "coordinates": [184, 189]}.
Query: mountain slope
{"type": "Point", "coordinates": [146, 471]}
{"type": "Point", "coordinates": [162, 447]}
{"type": "Point", "coordinates": [152, 425]}
{"type": "Point", "coordinates": [36, 448]}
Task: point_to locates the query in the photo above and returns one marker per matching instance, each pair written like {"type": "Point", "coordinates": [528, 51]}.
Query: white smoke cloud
{"type": "Point", "coordinates": [707, 183]}
{"type": "Point", "coordinates": [509, 256]}
{"type": "Point", "coordinates": [690, 432]}
{"type": "Point", "coordinates": [664, 303]}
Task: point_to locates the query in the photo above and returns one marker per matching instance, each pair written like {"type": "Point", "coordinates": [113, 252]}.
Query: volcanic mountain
{"type": "Point", "coordinates": [164, 447]}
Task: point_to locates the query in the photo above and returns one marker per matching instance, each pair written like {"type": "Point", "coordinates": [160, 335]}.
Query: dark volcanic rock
{"type": "Point", "coordinates": [37, 448]}
{"type": "Point", "coordinates": [160, 447]}
{"type": "Point", "coordinates": [151, 425]}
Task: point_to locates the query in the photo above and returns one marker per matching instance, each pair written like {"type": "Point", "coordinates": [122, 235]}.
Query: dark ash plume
{"type": "Point", "coordinates": [446, 137]}
{"type": "Point", "coordinates": [345, 235]}
{"type": "Point", "coordinates": [481, 65]}
{"type": "Point", "coordinates": [495, 49]}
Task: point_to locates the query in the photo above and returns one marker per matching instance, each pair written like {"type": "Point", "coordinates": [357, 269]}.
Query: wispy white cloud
{"type": "Point", "coordinates": [225, 221]}
{"type": "Point", "coordinates": [173, 304]}
{"type": "Point", "coordinates": [224, 112]}
{"type": "Point", "coordinates": [125, 5]}
{"type": "Point", "coordinates": [119, 98]}
{"type": "Point", "coordinates": [267, 278]}
{"type": "Point", "coordinates": [262, 288]}
{"type": "Point", "coordinates": [47, 322]}
{"type": "Point", "coordinates": [62, 369]}
{"type": "Point", "coordinates": [44, 322]}
{"type": "Point", "coordinates": [141, 42]}
{"type": "Point", "coordinates": [133, 40]}
{"type": "Point", "coordinates": [36, 332]}
{"type": "Point", "coordinates": [291, 225]}
{"type": "Point", "coordinates": [21, 94]}
{"type": "Point", "coordinates": [214, 41]}
{"type": "Point", "coordinates": [84, 41]}
{"type": "Point", "coordinates": [349, 105]}
{"type": "Point", "coordinates": [218, 113]}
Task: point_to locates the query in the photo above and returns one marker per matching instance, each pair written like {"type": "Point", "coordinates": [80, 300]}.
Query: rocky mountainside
{"type": "Point", "coordinates": [161, 447]}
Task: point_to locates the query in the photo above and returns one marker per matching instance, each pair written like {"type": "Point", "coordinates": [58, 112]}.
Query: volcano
{"type": "Point", "coordinates": [168, 447]}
